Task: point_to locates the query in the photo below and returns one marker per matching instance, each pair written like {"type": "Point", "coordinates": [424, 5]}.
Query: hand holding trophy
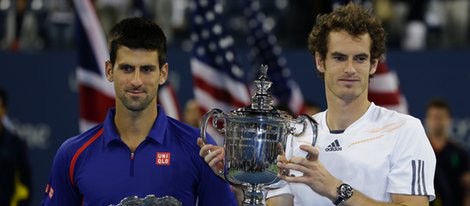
{"type": "Point", "coordinates": [254, 137]}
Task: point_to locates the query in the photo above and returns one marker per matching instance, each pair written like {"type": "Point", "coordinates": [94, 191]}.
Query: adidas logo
{"type": "Point", "coordinates": [334, 146]}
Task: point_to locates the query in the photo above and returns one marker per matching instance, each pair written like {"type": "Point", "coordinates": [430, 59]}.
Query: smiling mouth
{"type": "Point", "coordinates": [135, 93]}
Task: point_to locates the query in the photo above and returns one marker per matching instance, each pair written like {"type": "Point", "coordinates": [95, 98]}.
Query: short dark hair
{"type": "Point", "coordinates": [439, 103]}
{"type": "Point", "coordinates": [4, 98]}
{"type": "Point", "coordinates": [138, 33]}
{"type": "Point", "coordinates": [356, 21]}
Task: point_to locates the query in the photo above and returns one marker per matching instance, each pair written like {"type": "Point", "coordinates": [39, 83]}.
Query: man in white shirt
{"type": "Point", "coordinates": [365, 154]}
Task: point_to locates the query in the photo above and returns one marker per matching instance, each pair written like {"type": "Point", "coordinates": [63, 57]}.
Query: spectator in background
{"type": "Point", "coordinates": [15, 170]}
{"type": "Point", "coordinates": [452, 167]}
{"type": "Point", "coordinates": [60, 21]}
{"type": "Point", "coordinates": [192, 113]}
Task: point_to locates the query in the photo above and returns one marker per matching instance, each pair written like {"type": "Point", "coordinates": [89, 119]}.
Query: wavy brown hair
{"type": "Point", "coordinates": [353, 19]}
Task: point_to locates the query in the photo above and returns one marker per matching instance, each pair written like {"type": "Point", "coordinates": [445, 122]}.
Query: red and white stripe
{"type": "Point", "coordinates": [384, 90]}
{"type": "Point", "coordinates": [216, 89]}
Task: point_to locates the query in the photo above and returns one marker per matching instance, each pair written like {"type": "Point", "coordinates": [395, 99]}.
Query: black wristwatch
{"type": "Point", "coordinates": [345, 192]}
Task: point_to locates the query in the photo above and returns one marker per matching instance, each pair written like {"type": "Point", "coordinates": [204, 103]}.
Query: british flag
{"type": "Point", "coordinates": [219, 82]}
{"type": "Point", "coordinates": [96, 93]}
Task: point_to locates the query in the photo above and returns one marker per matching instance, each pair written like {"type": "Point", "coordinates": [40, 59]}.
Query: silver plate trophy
{"type": "Point", "coordinates": [149, 200]}
{"type": "Point", "coordinates": [254, 137]}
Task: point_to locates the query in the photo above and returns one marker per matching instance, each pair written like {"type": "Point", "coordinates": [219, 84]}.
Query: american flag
{"type": "Point", "coordinates": [96, 93]}
{"type": "Point", "coordinates": [264, 50]}
{"type": "Point", "coordinates": [384, 90]}
{"type": "Point", "coordinates": [219, 82]}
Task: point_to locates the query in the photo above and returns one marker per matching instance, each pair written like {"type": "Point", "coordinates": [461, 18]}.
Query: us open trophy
{"type": "Point", "coordinates": [254, 137]}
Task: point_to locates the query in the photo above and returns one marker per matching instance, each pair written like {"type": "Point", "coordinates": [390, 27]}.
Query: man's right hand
{"type": "Point", "coordinates": [213, 155]}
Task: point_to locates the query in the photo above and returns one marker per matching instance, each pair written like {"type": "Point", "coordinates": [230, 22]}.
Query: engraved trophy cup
{"type": "Point", "coordinates": [254, 137]}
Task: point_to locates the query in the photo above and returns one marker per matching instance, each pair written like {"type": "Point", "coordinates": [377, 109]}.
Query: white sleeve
{"type": "Point", "coordinates": [413, 162]}
{"type": "Point", "coordinates": [284, 188]}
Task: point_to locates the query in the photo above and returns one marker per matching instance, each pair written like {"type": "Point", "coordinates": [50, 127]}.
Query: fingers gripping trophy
{"type": "Point", "coordinates": [254, 137]}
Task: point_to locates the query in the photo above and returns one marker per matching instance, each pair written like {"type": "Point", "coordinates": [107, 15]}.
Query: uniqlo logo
{"type": "Point", "coordinates": [163, 158]}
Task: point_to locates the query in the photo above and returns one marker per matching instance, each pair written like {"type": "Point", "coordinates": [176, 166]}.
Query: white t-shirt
{"type": "Point", "coordinates": [382, 153]}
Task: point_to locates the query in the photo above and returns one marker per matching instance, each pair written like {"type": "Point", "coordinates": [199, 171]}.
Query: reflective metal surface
{"type": "Point", "coordinates": [149, 200]}
{"type": "Point", "coordinates": [254, 137]}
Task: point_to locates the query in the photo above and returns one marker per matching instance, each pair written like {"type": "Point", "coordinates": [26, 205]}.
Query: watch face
{"type": "Point", "coordinates": [345, 191]}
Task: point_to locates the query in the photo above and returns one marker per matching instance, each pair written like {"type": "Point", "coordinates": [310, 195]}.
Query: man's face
{"type": "Point", "coordinates": [347, 65]}
{"type": "Point", "coordinates": [136, 75]}
{"type": "Point", "coordinates": [3, 109]}
{"type": "Point", "coordinates": [438, 121]}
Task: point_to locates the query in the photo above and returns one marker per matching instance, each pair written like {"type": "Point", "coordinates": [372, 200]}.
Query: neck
{"type": "Point", "coordinates": [341, 114]}
{"type": "Point", "coordinates": [134, 127]}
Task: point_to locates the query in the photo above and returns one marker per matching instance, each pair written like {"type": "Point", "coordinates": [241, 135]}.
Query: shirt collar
{"type": "Point", "coordinates": [157, 132]}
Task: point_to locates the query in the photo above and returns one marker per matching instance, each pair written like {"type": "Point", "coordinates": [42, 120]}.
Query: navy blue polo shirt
{"type": "Point", "coordinates": [97, 168]}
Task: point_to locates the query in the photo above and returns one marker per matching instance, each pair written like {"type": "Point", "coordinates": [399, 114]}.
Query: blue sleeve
{"type": "Point", "coordinates": [212, 189]}
{"type": "Point", "coordinates": [59, 190]}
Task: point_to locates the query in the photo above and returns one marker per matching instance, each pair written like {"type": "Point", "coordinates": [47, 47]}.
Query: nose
{"type": "Point", "coordinates": [350, 67]}
{"type": "Point", "coordinates": [136, 80]}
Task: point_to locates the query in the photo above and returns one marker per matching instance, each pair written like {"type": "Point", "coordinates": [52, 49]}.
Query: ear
{"type": "Point", "coordinates": [163, 74]}
{"type": "Point", "coordinates": [109, 71]}
{"type": "Point", "coordinates": [373, 66]}
{"type": "Point", "coordinates": [319, 62]}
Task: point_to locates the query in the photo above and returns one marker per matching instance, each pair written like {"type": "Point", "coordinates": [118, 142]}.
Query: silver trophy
{"type": "Point", "coordinates": [254, 137]}
{"type": "Point", "coordinates": [149, 200]}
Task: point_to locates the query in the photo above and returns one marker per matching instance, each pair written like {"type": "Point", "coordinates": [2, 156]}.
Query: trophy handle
{"type": "Point", "coordinates": [313, 124]}
{"type": "Point", "coordinates": [204, 121]}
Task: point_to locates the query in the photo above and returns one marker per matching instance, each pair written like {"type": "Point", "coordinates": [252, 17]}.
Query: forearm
{"type": "Point", "coordinates": [359, 199]}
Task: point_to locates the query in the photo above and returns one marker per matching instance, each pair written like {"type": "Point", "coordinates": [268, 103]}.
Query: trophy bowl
{"type": "Point", "coordinates": [254, 136]}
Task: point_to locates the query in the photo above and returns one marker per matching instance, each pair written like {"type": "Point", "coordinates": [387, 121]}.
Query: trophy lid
{"type": "Point", "coordinates": [261, 102]}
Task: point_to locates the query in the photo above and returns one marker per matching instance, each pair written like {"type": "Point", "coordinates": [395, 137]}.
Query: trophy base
{"type": "Point", "coordinates": [253, 195]}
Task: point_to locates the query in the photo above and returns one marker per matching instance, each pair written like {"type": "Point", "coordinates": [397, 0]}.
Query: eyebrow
{"type": "Point", "coordinates": [356, 55]}
{"type": "Point", "coordinates": [129, 65]}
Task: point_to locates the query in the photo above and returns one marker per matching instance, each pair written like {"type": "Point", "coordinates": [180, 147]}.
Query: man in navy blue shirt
{"type": "Point", "coordinates": [137, 150]}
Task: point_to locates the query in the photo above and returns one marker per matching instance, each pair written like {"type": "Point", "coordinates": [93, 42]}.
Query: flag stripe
{"type": "Point", "coordinates": [167, 98]}
{"type": "Point", "coordinates": [218, 94]}
{"type": "Point", "coordinates": [384, 82]}
{"type": "Point", "coordinates": [384, 90]}
{"type": "Point", "coordinates": [207, 101]}
{"type": "Point", "coordinates": [94, 32]}
{"type": "Point", "coordinates": [219, 80]}
{"type": "Point", "coordinates": [95, 110]}
{"type": "Point", "coordinates": [91, 79]}
{"type": "Point", "coordinates": [389, 98]}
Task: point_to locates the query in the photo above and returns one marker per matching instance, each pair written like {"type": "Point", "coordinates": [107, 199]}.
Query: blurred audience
{"type": "Point", "coordinates": [452, 169]}
{"type": "Point", "coordinates": [410, 24]}
{"type": "Point", "coordinates": [60, 24]}
{"type": "Point", "coordinates": [15, 175]}
{"type": "Point", "coordinates": [192, 113]}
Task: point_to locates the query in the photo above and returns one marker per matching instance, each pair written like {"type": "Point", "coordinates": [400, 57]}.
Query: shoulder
{"type": "Point", "coordinates": [73, 144]}
{"type": "Point", "coordinates": [386, 116]}
{"type": "Point", "coordinates": [184, 133]}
